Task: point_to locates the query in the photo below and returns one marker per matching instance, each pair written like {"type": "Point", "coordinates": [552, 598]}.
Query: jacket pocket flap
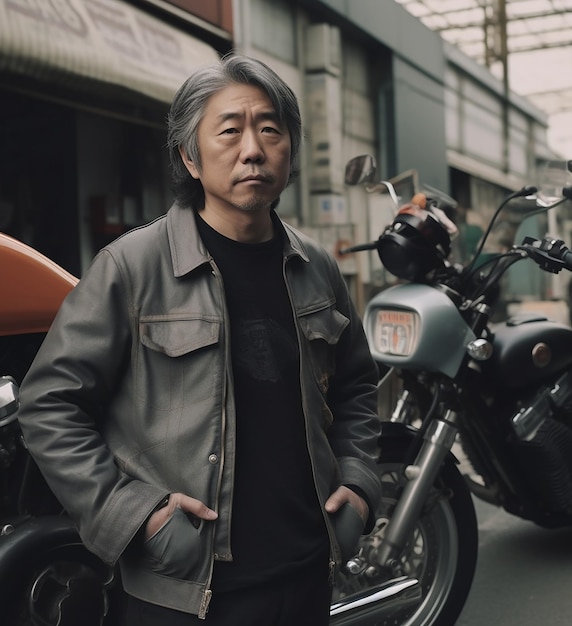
{"type": "Point", "coordinates": [176, 337]}
{"type": "Point", "coordinates": [327, 324]}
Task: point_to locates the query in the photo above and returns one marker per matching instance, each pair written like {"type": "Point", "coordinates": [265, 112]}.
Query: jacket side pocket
{"type": "Point", "coordinates": [175, 549]}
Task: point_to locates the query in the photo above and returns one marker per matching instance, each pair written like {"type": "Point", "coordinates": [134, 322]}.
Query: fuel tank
{"type": "Point", "coordinates": [528, 349]}
{"type": "Point", "coordinates": [32, 288]}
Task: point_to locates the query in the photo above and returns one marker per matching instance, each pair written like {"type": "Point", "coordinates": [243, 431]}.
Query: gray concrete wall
{"type": "Point", "coordinates": [412, 108]}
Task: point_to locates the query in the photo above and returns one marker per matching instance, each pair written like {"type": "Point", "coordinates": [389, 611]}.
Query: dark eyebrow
{"type": "Point", "coordinates": [270, 115]}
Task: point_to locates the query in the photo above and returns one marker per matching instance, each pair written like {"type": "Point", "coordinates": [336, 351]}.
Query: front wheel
{"type": "Point", "coordinates": [441, 553]}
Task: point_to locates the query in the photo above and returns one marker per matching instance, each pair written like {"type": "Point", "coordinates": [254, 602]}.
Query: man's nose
{"type": "Point", "coordinates": [251, 147]}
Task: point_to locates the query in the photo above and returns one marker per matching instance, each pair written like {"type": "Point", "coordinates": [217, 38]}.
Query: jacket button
{"type": "Point", "coordinates": [213, 458]}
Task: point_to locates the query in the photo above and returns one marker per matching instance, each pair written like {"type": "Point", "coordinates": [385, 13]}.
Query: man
{"type": "Point", "coordinates": [204, 404]}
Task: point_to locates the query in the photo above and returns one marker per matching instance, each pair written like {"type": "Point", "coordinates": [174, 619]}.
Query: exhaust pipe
{"type": "Point", "coordinates": [395, 594]}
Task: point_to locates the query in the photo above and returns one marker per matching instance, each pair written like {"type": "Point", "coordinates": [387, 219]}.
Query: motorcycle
{"type": "Point", "coordinates": [499, 393]}
{"type": "Point", "coordinates": [47, 577]}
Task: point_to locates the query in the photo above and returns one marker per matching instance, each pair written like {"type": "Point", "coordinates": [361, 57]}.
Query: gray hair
{"type": "Point", "coordinates": [188, 108]}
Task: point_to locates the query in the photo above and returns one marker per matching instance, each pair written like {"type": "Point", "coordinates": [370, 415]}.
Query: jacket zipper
{"type": "Point", "coordinates": [207, 594]}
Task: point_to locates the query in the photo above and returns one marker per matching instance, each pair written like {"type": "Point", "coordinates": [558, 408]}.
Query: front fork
{"type": "Point", "coordinates": [421, 475]}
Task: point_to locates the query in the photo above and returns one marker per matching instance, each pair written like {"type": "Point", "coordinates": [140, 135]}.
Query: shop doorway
{"type": "Point", "coordinates": [38, 177]}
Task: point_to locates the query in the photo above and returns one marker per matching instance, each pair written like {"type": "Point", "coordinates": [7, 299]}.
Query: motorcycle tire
{"type": "Point", "coordinates": [65, 586]}
{"type": "Point", "coordinates": [441, 553]}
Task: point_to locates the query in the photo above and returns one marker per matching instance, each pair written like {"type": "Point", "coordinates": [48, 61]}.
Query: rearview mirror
{"type": "Point", "coordinates": [553, 176]}
{"type": "Point", "coordinates": [360, 169]}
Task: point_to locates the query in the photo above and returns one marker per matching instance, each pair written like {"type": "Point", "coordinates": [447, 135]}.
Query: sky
{"type": "Point", "coordinates": [538, 74]}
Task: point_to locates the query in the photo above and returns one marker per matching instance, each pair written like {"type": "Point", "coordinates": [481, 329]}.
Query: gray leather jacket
{"type": "Point", "coordinates": [130, 398]}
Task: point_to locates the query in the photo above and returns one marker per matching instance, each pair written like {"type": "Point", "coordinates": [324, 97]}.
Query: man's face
{"type": "Point", "coordinates": [245, 151]}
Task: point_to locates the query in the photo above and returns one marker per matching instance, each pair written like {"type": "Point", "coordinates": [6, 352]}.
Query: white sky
{"type": "Point", "coordinates": [541, 72]}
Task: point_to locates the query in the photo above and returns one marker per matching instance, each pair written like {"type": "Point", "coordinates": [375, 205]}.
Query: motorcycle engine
{"type": "Point", "coordinates": [543, 447]}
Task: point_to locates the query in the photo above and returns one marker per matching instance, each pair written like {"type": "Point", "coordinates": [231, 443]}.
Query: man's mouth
{"type": "Point", "coordinates": [259, 178]}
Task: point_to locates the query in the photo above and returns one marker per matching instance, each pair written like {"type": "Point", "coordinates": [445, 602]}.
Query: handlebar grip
{"type": "Point", "coordinates": [557, 249]}
{"type": "Point", "coordinates": [567, 259]}
{"type": "Point", "coordinates": [550, 254]}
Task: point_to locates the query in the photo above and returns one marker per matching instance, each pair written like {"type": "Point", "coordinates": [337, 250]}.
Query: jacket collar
{"type": "Point", "coordinates": [293, 245]}
{"type": "Point", "coordinates": [188, 251]}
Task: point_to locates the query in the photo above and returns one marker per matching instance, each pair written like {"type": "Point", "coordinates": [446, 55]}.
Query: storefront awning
{"type": "Point", "coordinates": [102, 40]}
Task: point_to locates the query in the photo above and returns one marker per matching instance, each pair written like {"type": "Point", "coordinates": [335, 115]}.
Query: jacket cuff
{"type": "Point", "coordinates": [370, 522]}
{"type": "Point", "coordinates": [361, 478]}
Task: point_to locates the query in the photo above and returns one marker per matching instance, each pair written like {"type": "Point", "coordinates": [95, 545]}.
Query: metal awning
{"type": "Point", "coordinates": [102, 40]}
{"type": "Point", "coordinates": [531, 36]}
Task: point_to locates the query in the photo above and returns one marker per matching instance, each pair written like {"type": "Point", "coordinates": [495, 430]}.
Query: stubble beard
{"type": "Point", "coordinates": [254, 205]}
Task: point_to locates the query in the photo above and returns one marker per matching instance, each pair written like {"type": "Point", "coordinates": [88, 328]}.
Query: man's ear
{"type": "Point", "coordinates": [190, 165]}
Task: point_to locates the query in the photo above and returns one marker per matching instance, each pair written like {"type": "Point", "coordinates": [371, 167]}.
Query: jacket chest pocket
{"type": "Point", "coordinates": [322, 329]}
{"type": "Point", "coordinates": [177, 362]}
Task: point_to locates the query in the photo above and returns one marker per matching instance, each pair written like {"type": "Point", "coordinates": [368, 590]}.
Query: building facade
{"type": "Point", "coordinates": [85, 86]}
{"type": "Point", "coordinates": [373, 79]}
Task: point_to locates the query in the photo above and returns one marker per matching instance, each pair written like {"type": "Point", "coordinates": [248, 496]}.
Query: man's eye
{"type": "Point", "coordinates": [270, 129]}
{"type": "Point", "coordinates": [229, 131]}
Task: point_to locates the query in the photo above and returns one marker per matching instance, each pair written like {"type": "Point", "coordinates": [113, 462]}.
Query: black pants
{"type": "Point", "coordinates": [302, 600]}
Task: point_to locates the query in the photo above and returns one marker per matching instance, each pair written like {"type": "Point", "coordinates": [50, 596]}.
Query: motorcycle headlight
{"type": "Point", "coordinates": [395, 332]}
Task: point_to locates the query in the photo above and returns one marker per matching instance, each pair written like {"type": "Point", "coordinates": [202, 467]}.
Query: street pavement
{"type": "Point", "coordinates": [524, 573]}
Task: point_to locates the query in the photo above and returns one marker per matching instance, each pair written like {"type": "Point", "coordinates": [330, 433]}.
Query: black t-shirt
{"type": "Point", "coordinates": [277, 525]}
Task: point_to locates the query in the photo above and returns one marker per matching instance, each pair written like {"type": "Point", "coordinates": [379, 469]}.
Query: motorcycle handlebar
{"type": "Point", "coordinates": [550, 254]}
{"type": "Point", "coordinates": [359, 248]}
